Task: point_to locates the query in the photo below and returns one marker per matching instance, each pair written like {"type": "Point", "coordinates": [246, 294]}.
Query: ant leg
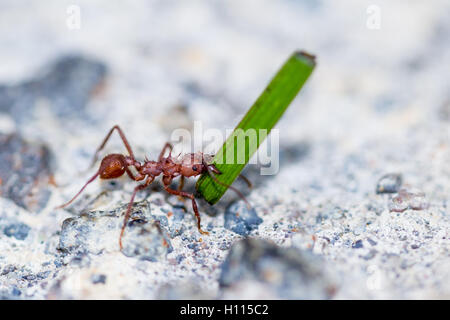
{"type": "Point", "coordinates": [248, 182]}
{"type": "Point", "coordinates": [124, 140]}
{"type": "Point", "coordinates": [194, 205]}
{"type": "Point", "coordinates": [79, 192]}
{"type": "Point", "coordinates": [169, 146]}
{"type": "Point", "coordinates": [217, 171]}
{"type": "Point", "coordinates": [113, 166]}
{"type": "Point", "coordinates": [138, 176]}
{"type": "Point", "coordinates": [214, 169]}
{"type": "Point", "coordinates": [130, 205]}
{"type": "Point", "coordinates": [180, 187]}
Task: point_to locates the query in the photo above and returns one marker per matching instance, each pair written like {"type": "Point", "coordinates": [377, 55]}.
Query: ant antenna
{"type": "Point", "coordinates": [89, 181]}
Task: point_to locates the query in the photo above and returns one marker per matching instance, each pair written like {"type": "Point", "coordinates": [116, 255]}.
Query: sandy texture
{"type": "Point", "coordinates": [377, 104]}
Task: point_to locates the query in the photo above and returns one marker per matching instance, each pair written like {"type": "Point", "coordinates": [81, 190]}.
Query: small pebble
{"type": "Point", "coordinates": [358, 244]}
{"type": "Point", "coordinates": [29, 277]}
{"type": "Point", "coordinates": [240, 219]}
{"type": "Point", "coordinates": [8, 269]}
{"type": "Point", "coordinates": [43, 275]}
{"type": "Point", "coordinates": [180, 258]}
{"type": "Point", "coordinates": [17, 230]}
{"type": "Point", "coordinates": [224, 246]}
{"type": "Point", "coordinates": [98, 278]}
{"type": "Point", "coordinates": [389, 183]}
{"type": "Point", "coordinates": [408, 200]}
{"type": "Point", "coordinates": [16, 292]}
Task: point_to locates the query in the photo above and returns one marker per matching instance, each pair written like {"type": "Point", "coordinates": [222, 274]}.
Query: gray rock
{"type": "Point", "coordinates": [29, 277]}
{"type": "Point", "coordinates": [224, 245]}
{"type": "Point", "coordinates": [291, 273]}
{"type": "Point", "coordinates": [24, 172]}
{"type": "Point", "coordinates": [240, 219]}
{"type": "Point", "coordinates": [358, 244]}
{"type": "Point", "coordinates": [98, 278]}
{"type": "Point", "coordinates": [174, 224]}
{"type": "Point", "coordinates": [408, 199]}
{"type": "Point", "coordinates": [389, 183]}
{"type": "Point", "coordinates": [8, 269]}
{"type": "Point", "coordinates": [43, 275]}
{"type": "Point", "coordinates": [96, 232]}
{"type": "Point", "coordinates": [17, 230]}
{"type": "Point", "coordinates": [146, 241]}
{"type": "Point", "coordinates": [66, 84]}
{"type": "Point", "coordinates": [16, 292]}
{"type": "Point", "coordinates": [178, 214]}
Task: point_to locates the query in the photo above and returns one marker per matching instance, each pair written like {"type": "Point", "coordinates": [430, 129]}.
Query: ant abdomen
{"type": "Point", "coordinates": [112, 166]}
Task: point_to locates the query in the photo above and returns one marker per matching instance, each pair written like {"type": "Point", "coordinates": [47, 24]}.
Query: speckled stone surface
{"type": "Point", "coordinates": [358, 210]}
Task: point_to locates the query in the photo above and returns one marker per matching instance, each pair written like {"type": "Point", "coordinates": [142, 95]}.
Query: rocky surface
{"type": "Point", "coordinates": [359, 207]}
{"type": "Point", "coordinates": [241, 219]}
{"type": "Point", "coordinates": [97, 232]}
{"type": "Point", "coordinates": [61, 88]}
{"type": "Point", "coordinates": [25, 172]}
{"type": "Point", "coordinates": [286, 273]}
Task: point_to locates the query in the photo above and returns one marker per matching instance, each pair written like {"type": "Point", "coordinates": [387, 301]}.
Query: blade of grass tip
{"type": "Point", "coordinates": [256, 124]}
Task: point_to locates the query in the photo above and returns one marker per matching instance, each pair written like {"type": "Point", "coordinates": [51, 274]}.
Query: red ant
{"type": "Point", "coordinates": [190, 165]}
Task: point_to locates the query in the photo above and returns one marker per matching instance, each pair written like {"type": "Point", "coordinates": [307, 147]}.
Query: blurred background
{"type": "Point", "coordinates": [378, 103]}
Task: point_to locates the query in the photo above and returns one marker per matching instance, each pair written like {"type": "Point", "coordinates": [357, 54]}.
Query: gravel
{"type": "Point", "coordinates": [25, 172]}
{"type": "Point", "coordinates": [359, 208]}
{"type": "Point", "coordinates": [18, 231]}
{"type": "Point", "coordinates": [241, 219]}
{"type": "Point", "coordinates": [287, 272]}
{"type": "Point", "coordinates": [65, 85]}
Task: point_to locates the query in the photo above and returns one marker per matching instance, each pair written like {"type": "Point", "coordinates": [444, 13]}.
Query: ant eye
{"type": "Point", "coordinates": [194, 168]}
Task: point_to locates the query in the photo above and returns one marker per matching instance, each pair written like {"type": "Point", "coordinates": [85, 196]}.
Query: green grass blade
{"type": "Point", "coordinates": [264, 114]}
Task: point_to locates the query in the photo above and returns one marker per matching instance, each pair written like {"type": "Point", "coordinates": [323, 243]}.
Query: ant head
{"type": "Point", "coordinates": [192, 165]}
{"type": "Point", "coordinates": [112, 166]}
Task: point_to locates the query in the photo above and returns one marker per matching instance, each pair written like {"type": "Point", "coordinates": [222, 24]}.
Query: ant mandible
{"type": "Point", "coordinates": [190, 165]}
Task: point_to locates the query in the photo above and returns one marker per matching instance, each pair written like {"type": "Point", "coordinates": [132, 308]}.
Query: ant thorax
{"type": "Point", "coordinates": [169, 167]}
{"type": "Point", "coordinates": [190, 159]}
{"type": "Point", "coordinates": [151, 168]}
